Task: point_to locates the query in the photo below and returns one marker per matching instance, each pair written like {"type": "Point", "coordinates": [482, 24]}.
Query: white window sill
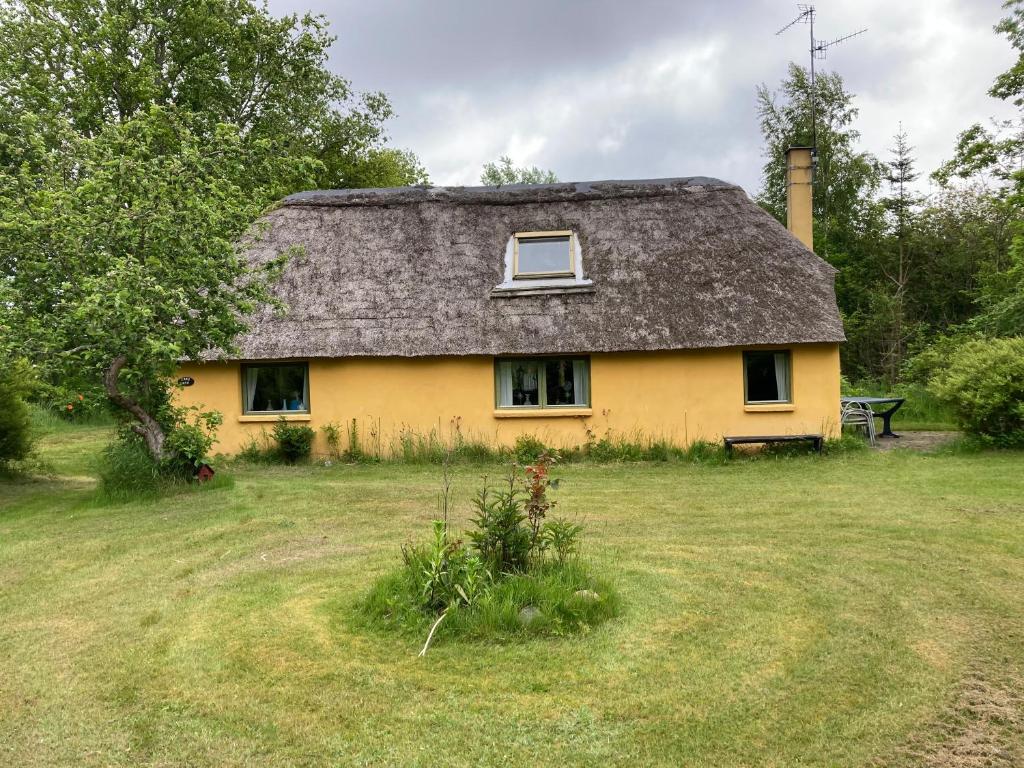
{"type": "Point", "coordinates": [274, 417]}
{"type": "Point", "coordinates": [541, 413]}
{"type": "Point", "coordinates": [541, 287]}
{"type": "Point", "coordinates": [768, 407]}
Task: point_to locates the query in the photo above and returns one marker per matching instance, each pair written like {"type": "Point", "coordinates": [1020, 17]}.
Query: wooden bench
{"type": "Point", "coordinates": [817, 440]}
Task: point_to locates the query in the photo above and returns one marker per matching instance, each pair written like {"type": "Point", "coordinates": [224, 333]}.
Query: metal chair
{"type": "Point", "coordinates": [859, 415]}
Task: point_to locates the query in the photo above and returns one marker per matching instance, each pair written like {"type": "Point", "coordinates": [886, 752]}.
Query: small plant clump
{"type": "Point", "coordinates": [294, 441]}
{"type": "Point", "coordinates": [519, 574]}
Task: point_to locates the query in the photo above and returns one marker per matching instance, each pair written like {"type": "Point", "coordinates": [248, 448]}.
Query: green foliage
{"type": "Point", "coordinates": [258, 450]}
{"type": "Point", "coordinates": [560, 593]}
{"type": "Point", "coordinates": [561, 538]}
{"type": "Point", "coordinates": [226, 62]}
{"type": "Point", "coordinates": [127, 471]}
{"type": "Point", "coordinates": [190, 437]}
{"type": "Point", "coordinates": [846, 179]}
{"type": "Point", "coordinates": [984, 386]}
{"type": "Point", "coordinates": [500, 537]}
{"type": "Point", "coordinates": [443, 573]}
{"type": "Point", "coordinates": [294, 441]}
{"type": "Point", "coordinates": [332, 436]}
{"type": "Point", "coordinates": [505, 172]}
{"type": "Point", "coordinates": [528, 448]}
{"type": "Point", "coordinates": [510, 586]}
{"type": "Point", "coordinates": [15, 418]}
{"type": "Point", "coordinates": [138, 145]}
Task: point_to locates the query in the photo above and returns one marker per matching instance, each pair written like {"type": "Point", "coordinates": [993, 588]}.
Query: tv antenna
{"type": "Point", "coordinates": [818, 50]}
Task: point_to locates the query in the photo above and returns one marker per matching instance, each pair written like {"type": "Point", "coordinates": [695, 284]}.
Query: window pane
{"type": "Point", "coordinates": [544, 254]}
{"type": "Point", "coordinates": [560, 381]}
{"type": "Point", "coordinates": [525, 383]}
{"type": "Point", "coordinates": [761, 383]}
{"type": "Point", "coordinates": [275, 388]}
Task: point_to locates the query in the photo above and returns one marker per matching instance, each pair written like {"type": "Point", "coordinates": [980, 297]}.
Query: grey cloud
{"type": "Point", "coordinates": [650, 88]}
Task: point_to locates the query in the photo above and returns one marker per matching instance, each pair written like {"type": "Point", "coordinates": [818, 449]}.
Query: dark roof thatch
{"type": "Point", "coordinates": [675, 264]}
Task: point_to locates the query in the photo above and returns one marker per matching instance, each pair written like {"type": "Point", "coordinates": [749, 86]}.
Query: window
{"type": "Point", "coordinates": [543, 254]}
{"type": "Point", "coordinates": [548, 382]}
{"type": "Point", "coordinates": [275, 388]}
{"type": "Point", "coordinates": [766, 376]}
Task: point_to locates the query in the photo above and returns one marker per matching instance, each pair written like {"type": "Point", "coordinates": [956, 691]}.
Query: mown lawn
{"type": "Point", "coordinates": [860, 609]}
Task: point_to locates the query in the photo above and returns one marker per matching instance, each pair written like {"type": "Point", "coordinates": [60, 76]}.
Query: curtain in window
{"type": "Point", "coordinates": [782, 374]}
{"type": "Point", "coordinates": [250, 388]}
{"type": "Point", "coordinates": [580, 382]}
{"type": "Point", "coordinates": [505, 384]}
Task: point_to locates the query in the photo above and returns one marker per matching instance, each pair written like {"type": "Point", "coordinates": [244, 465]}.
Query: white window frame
{"type": "Point", "coordinates": [518, 237]}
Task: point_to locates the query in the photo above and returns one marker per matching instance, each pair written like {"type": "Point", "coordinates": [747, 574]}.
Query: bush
{"type": "Point", "coordinates": [443, 574]}
{"type": "Point", "coordinates": [983, 384]}
{"type": "Point", "coordinates": [509, 586]}
{"type": "Point", "coordinates": [500, 538]}
{"type": "Point", "coordinates": [528, 449]}
{"type": "Point", "coordinates": [294, 441]}
{"type": "Point", "coordinates": [15, 419]}
{"type": "Point", "coordinates": [189, 442]}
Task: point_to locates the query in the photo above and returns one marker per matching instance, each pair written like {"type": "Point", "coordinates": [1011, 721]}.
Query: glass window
{"type": "Point", "coordinates": [275, 387]}
{"type": "Point", "coordinates": [543, 383]}
{"type": "Point", "coordinates": [766, 376]}
{"type": "Point", "coordinates": [544, 254]}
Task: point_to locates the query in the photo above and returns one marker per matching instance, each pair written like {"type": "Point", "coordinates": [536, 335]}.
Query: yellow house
{"type": "Point", "coordinates": [670, 309]}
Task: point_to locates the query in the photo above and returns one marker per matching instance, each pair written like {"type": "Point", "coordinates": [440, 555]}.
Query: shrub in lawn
{"type": "Point", "coordinates": [443, 573]}
{"type": "Point", "coordinates": [15, 418]}
{"type": "Point", "coordinates": [561, 539]}
{"type": "Point", "coordinates": [524, 576]}
{"type": "Point", "coordinates": [984, 386]}
{"type": "Point", "coordinates": [294, 441]}
{"type": "Point", "coordinates": [500, 537]}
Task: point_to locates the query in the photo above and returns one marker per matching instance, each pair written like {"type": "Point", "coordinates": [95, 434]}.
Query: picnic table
{"type": "Point", "coordinates": [885, 416]}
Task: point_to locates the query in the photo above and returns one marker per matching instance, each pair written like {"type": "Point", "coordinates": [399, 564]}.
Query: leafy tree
{"type": "Point", "coordinates": [846, 180]}
{"type": "Point", "coordinates": [88, 65]}
{"type": "Point", "coordinates": [139, 141]}
{"type": "Point", "coordinates": [123, 250]}
{"type": "Point", "coordinates": [997, 155]}
{"type": "Point", "coordinates": [505, 172]}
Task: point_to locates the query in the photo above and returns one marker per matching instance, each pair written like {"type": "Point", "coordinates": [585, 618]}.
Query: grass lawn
{"type": "Point", "coordinates": [857, 609]}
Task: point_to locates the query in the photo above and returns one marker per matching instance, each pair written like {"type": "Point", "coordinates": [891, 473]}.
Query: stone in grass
{"type": "Point", "coordinates": [529, 615]}
{"type": "Point", "coordinates": [587, 595]}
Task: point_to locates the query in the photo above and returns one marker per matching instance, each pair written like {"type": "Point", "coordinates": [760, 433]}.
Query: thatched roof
{"type": "Point", "coordinates": [675, 264]}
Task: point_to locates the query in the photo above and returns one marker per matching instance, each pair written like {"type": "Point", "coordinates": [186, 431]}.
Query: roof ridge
{"type": "Point", "coordinates": [509, 193]}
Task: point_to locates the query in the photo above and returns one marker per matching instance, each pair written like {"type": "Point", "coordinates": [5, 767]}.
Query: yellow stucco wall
{"type": "Point", "coordinates": [678, 396]}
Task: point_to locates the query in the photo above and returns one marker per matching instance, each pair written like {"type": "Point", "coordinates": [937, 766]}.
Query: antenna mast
{"type": "Point", "coordinates": [818, 50]}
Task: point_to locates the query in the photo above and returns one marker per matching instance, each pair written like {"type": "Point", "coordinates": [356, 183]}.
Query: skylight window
{"type": "Point", "coordinates": [543, 254]}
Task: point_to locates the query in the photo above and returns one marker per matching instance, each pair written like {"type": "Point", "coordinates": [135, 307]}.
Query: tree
{"type": "Point", "coordinates": [901, 205]}
{"type": "Point", "coordinates": [996, 155]}
{"type": "Point", "coordinates": [124, 252]}
{"type": "Point", "coordinates": [505, 172]}
{"type": "Point", "coordinates": [139, 141]}
{"type": "Point", "coordinates": [89, 65]}
{"type": "Point", "coordinates": [846, 180]}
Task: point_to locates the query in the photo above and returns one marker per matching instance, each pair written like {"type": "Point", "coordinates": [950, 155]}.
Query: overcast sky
{"type": "Point", "coordinates": [652, 88]}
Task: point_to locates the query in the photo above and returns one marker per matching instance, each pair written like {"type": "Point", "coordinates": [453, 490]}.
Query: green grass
{"type": "Point", "coordinates": [853, 609]}
{"type": "Point", "coordinates": [392, 605]}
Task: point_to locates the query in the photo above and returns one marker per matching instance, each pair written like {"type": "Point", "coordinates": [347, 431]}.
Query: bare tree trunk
{"type": "Point", "coordinates": [148, 427]}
